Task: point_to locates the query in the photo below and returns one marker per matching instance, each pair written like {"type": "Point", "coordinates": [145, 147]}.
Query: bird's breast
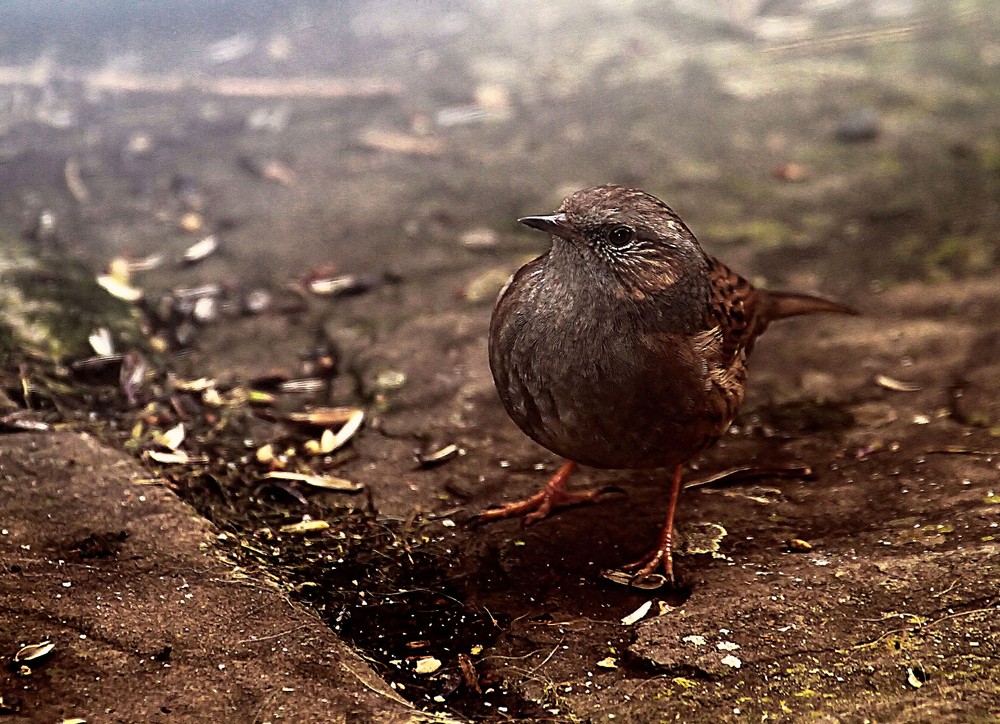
{"type": "Point", "coordinates": [589, 384]}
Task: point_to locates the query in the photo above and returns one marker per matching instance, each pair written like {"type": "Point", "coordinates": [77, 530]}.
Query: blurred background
{"type": "Point", "coordinates": [832, 144]}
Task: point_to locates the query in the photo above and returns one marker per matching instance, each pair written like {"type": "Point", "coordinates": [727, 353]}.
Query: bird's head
{"type": "Point", "coordinates": [623, 236]}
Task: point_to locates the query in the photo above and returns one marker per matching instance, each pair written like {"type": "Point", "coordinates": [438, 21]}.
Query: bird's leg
{"type": "Point", "coordinates": [540, 504]}
{"type": "Point", "coordinates": [663, 553]}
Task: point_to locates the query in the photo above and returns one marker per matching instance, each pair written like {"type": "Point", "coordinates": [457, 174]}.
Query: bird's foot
{"type": "Point", "coordinates": [539, 505]}
{"type": "Point", "coordinates": [663, 555]}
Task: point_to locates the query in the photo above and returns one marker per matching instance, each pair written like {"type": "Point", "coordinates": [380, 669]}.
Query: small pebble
{"type": "Point", "coordinates": [858, 125]}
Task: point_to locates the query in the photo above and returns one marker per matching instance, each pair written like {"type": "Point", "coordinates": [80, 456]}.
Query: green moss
{"type": "Point", "coordinates": [887, 165]}
{"type": "Point", "coordinates": [989, 155]}
{"type": "Point", "coordinates": [959, 254]}
{"type": "Point", "coordinates": [817, 221]}
{"type": "Point", "coordinates": [760, 233]}
{"type": "Point", "coordinates": [50, 305]}
{"type": "Point", "coordinates": [908, 246]}
{"type": "Point", "coordinates": [685, 683]}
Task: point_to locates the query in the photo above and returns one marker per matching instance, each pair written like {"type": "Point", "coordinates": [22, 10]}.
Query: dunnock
{"type": "Point", "coordinates": [625, 346]}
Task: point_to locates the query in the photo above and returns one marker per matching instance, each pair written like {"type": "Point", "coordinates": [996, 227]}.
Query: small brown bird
{"type": "Point", "coordinates": [625, 346]}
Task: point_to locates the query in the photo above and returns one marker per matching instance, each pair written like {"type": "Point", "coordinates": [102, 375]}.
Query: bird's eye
{"type": "Point", "coordinates": [620, 235]}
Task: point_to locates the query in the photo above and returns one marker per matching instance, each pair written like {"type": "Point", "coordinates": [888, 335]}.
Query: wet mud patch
{"type": "Point", "coordinates": [394, 590]}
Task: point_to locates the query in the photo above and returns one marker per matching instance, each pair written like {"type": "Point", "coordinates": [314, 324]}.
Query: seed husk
{"type": "Point", "coordinates": [174, 457]}
{"type": "Point", "coordinates": [305, 385]}
{"type": "Point", "coordinates": [651, 582]}
{"type": "Point", "coordinates": [201, 250]}
{"type": "Point", "coordinates": [891, 383]}
{"type": "Point", "coordinates": [119, 289]}
{"type": "Point", "coordinates": [438, 457]}
{"type": "Point", "coordinates": [325, 417]}
{"type": "Point", "coordinates": [146, 263]}
{"type": "Point", "coordinates": [305, 526]}
{"type": "Point", "coordinates": [339, 286]}
{"type": "Point", "coordinates": [798, 545]}
{"type": "Point", "coordinates": [199, 385]}
{"type": "Point", "coordinates": [99, 365]}
{"type": "Point", "coordinates": [132, 375]}
{"type": "Point", "coordinates": [326, 482]}
{"type": "Point", "coordinates": [427, 665]}
{"type": "Point", "coordinates": [101, 342]}
{"type": "Point", "coordinates": [21, 421]}
{"type": "Point", "coordinates": [33, 652]}
{"type": "Point", "coordinates": [348, 431]}
{"type": "Point", "coordinates": [638, 614]}
{"type": "Point", "coordinates": [171, 438]}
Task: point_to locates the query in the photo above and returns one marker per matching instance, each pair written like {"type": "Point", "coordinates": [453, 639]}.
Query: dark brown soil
{"type": "Point", "coordinates": [146, 626]}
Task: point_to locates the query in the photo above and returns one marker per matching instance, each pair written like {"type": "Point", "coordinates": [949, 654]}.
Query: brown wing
{"type": "Point", "coordinates": [743, 312]}
{"type": "Point", "coordinates": [736, 308]}
{"type": "Point", "coordinates": [733, 320]}
{"type": "Point", "coordinates": [737, 314]}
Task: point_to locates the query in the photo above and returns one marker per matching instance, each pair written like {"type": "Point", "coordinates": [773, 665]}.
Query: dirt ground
{"type": "Point", "coordinates": [146, 626]}
{"type": "Point", "coordinates": [887, 610]}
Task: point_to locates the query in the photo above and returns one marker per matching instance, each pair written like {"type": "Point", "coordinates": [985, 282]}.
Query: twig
{"type": "Point", "coordinates": [390, 694]}
{"type": "Point", "coordinates": [958, 450]}
{"type": "Point", "coordinates": [960, 614]}
{"type": "Point", "coordinates": [746, 474]}
{"type": "Point", "coordinates": [660, 677]}
{"type": "Point", "coordinates": [947, 590]}
{"type": "Point", "coordinates": [274, 636]}
{"type": "Point", "coordinates": [921, 626]}
{"type": "Point", "coordinates": [546, 659]}
{"type": "Point", "coordinates": [267, 700]}
{"type": "Point", "coordinates": [850, 38]}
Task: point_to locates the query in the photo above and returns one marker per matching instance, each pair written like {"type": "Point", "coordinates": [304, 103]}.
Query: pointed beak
{"type": "Point", "coordinates": [555, 224]}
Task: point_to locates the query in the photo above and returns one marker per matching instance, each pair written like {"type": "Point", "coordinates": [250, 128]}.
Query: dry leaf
{"type": "Point", "coordinates": [427, 665]}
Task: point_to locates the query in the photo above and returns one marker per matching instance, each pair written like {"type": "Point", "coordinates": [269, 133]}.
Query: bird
{"type": "Point", "coordinates": [625, 346]}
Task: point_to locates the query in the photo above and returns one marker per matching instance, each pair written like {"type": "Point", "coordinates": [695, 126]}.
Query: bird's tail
{"type": "Point", "coordinates": [778, 305]}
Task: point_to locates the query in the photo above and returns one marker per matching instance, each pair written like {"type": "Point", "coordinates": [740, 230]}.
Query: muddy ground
{"type": "Point", "coordinates": [857, 156]}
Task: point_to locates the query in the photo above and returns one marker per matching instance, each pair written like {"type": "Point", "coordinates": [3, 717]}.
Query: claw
{"type": "Point", "coordinates": [652, 582]}
{"type": "Point", "coordinates": [645, 568]}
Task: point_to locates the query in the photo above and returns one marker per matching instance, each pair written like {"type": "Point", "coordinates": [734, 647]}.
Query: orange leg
{"type": "Point", "coordinates": [663, 553]}
{"type": "Point", "coordinates": [540, 504]}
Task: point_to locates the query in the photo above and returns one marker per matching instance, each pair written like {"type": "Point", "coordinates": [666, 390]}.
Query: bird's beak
{"type": "Point", "coordinates": [555, 224]}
